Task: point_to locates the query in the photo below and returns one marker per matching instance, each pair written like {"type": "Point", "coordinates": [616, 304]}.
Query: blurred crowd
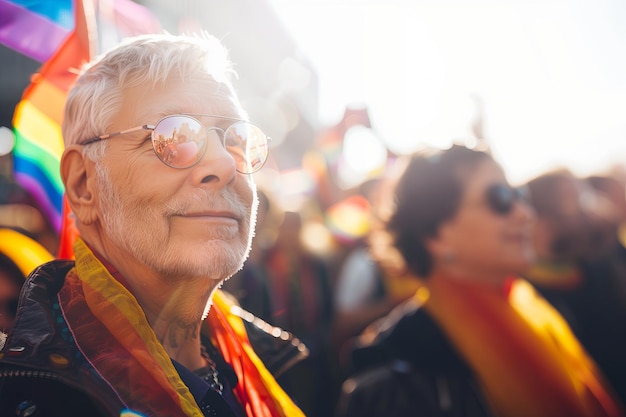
{"type": "Point", "coordinates": [313, 275]}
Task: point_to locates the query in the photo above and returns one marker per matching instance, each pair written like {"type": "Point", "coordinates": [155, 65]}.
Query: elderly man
{"type": "Point", "coordinates": [157, 173]}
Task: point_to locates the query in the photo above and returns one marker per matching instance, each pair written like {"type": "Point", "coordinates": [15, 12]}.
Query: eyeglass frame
{"type": "Point", "coordinates": [151, 128]}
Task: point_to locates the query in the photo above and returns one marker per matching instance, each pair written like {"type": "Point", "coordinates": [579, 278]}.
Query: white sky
{"type": "Point", "coordinates": [551, 74]}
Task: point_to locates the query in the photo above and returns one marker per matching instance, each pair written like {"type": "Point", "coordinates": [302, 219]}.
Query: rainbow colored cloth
{"type": "Point", "coordinates": [522, 351]}
{"type": "Point", "coordinates": [112, 332]}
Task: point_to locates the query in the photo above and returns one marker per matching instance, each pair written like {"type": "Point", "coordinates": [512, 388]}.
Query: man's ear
{"type": "Point", "coordinates": [78, 174]}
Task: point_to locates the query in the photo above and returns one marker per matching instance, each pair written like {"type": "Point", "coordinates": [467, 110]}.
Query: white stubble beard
{"type": "Point", "coordinates": [128, 225]}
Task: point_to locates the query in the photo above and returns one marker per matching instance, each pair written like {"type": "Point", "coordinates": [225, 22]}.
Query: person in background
{"type": "Point", "coordinates": [284, 283]}
{"type": "Point", "coordinates": [475, 340]}
{"type": "Point", "coordinates": [136, 324]}
{"type": "Point", "coordinates": [612, 186]}
{"type": "Point", "coordinates": [250, 285]}
{"type": "Point", "coordinates": [364, 289]}
{"type": "Point", "coordinates": [301, 301]}
{"type": "Point", "coordinates": [581, 264]}
{"type": "Point", "coordinates": [251, 288]}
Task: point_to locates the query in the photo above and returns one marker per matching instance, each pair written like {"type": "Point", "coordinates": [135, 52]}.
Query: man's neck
{"type": "Point", "coordinates": [175, 314]}
{"type": "Point", "coordinates": [174, 311]}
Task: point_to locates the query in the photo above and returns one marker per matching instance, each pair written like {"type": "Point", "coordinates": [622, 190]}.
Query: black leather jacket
{"type": "Point", "coordinates": [407, 367]}
{"type": "Point", "coordinates": [43, 373]}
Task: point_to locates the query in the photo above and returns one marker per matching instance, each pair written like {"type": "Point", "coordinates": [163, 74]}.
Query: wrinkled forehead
{"type": "Point", "coordinates": [202, 95]}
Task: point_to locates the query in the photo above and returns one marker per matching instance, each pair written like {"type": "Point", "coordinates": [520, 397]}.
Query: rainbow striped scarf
{"type": "Point", "coordinates": [522, 351]}
{"type": "Point", "coordinates": [112, 332]}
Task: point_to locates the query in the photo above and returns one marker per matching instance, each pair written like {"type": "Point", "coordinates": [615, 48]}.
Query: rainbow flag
{"type": "Point", "coordinates": [54, 32]}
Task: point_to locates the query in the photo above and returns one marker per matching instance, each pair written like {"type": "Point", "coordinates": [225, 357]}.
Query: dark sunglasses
{"type": "Point", "coordinates": [501, 198]}
{"type": "Point", "coordinates": [180, 141]}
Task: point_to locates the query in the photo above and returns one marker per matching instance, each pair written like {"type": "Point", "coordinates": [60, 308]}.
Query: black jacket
{"type": "Point", "coordinates": [407, 367]}
{"type": "Point", "coordinates": [44, 374]}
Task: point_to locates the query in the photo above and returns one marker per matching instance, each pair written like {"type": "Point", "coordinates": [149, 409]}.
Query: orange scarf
{"type": "Point", "coordinates": [523, 353]}
{"type": "Point", "coordinates": [112, 332]}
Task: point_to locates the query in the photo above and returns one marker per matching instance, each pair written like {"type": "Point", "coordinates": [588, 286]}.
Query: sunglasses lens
{"type": "Point", "coordinates": [178, 141]}
{"type": "Point", "coordinates": [248, 145]}
{"type": "Point", "coordinates": [522, 194]}
{"type": "Point", "coordinates": [501, 198]}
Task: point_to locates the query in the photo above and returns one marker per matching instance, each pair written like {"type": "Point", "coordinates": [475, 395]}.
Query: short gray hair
{"type": "Point", "coordinates": [142, 60]}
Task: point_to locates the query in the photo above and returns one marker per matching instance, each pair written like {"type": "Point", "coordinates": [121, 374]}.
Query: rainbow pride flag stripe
{"type": "Point", "coordinates": [35, 28]}
{"type": "Point", "coordinates": [56, 33]}
{"type": "Point", "coordinates": [47, 31]}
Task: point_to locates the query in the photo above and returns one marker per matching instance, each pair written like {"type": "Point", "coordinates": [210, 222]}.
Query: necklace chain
{"type": "Point", "coordinates": [209, 373]}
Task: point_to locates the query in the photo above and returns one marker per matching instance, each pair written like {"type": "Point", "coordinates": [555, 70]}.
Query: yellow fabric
{"type": "Point", "coordinates": [39, 125]}
{"type": "Point", "coordinates": [95, 275]}
{"type": "Point", "coordinates": [26, 253]}
{"type": "Point", "coordinates": [545, 320]}
{"type": "Point", "coordinates": [115, 307]}
{"type": "Point", "coordinates": [523, 353]}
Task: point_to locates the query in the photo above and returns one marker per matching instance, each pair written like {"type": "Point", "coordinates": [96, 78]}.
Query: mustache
{"type": "Point", "coordinates": [199, 200]}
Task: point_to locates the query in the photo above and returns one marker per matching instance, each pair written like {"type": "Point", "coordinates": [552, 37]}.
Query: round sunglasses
{"type": "Point", "coordinates": [180, 141]}
{"type": "Point", "coordinates": [501, 198]}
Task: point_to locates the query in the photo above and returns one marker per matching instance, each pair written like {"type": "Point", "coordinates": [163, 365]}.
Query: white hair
{"type": "Point", "coordinates": [147, 60]}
